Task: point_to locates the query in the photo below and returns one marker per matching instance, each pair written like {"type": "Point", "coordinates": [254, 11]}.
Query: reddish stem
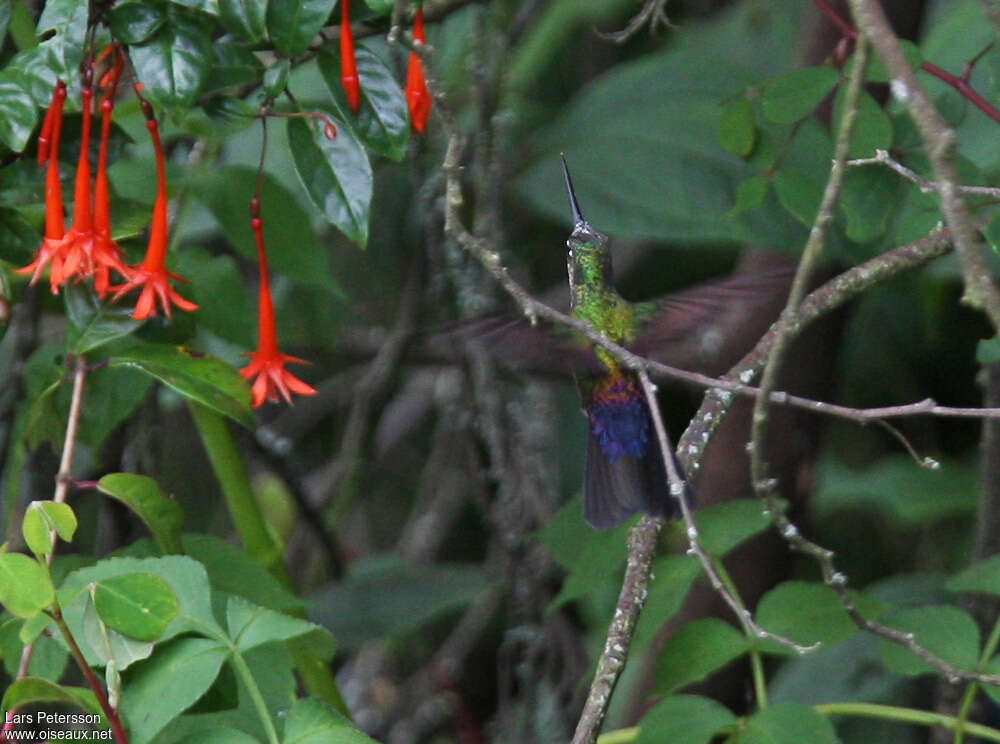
{"type": "Point", "coordinates": [960, 84]}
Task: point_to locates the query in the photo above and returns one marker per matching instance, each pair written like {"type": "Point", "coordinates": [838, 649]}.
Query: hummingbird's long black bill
{"type": "Point", "coordinates": [573, 204]}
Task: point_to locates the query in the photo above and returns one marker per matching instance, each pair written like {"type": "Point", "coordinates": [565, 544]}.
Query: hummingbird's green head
{"type": "Point", "coordinates": [588, 260]}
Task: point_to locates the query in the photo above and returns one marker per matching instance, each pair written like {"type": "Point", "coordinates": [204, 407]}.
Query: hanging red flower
{"type": "Point", "coordinates": [152, 275]}
{"type": "Point", "coordinates": [50, 251]}
{"type": "Point", "coordinates": [267, 363]}
{"type": "Point", "coordinates": [78, 246]}
{"type": "Point", "coordinates": [107, 255]}
{"type": "Point", "coordinates": [418, 98]}
{"type": "Point", "coordinates": [348, 64]}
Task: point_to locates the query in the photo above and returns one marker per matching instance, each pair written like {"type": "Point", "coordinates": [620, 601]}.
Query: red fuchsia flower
{"type": "Point", "coordinates": [418, 98]}
{"type": "Point", "coordinates": [152, 275]}
{"type": "Point", "coordinates": [50, 251]}
{"type": "Point", "coordinates": [348, 65]}
{"type": "Point", "coordinates": [267, 363]}
{"type": "Point", "coordinates": [107, 254]}
{"type": "Point", "coordinates": [78, 246]}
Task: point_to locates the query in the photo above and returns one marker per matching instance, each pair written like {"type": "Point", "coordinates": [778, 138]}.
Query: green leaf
{"type": "Point", "coordinates": [407, 598]}
{"type": "Point", "coordinates": [143, 495]}
{"type": "Point", "coordinates": [696, 651]}
{"type": "Point", "coordinates": [293, 24]}
{"type": "Point", "coordinates": [872, 129]}
{"type": "Point", "coordinates": [724, 527]}
{"type": "Point", "coordinates": [869, 197]}
{"type": "Point", "coordinates": [786, 99]}
{"type": "Point", "coordinates": [223, 302]}
{"type": "Point", "coordinates": [135, 22]}
{"type": "Point", "coordinates": [31, 690]}
{"type": "Point", "coordinates": [154, 696]}
{"type": "Point", "coordinates": [808, 613]}
{"type": "Point", "coordinates": [232, 65]}
{"type": "Point", "coordinates": [41, 520]}
{"type": "Point", "coordinates": [201, 378]}
{"type": "Point", "coordinates": [799, 194]}
{"type": "Point", "coordinates": [750, 194]}
{"type": "Point", "coordinates": [787, 723]}
{"type": "Point", "coordinates": [174, 63]}
{"type": "Point", "coordinates": [25, 586]}
{"type": "Point", "coordinates": [185, 576]}
{"type": "Point", "coordinates": [293, 247]}
{"type": "Point", "coordinates": [232, 571]}
{"type": "Point", "coordinates": [992, 233]}
{"type": "Point", "coordinates": [251, 626]}
{"type": "Point", "coordinates": [245, 17]}
{"type": "Point", "coordinates": [94, 323]}
{"type": "Point", "coordinates": [106, 645]}
{"type": "Point", "coordinates": [943, 630]}
{"type": "Point", "coordinates": [336, 175]}
{"type": "Point", "coordinates": [276, 78]}
{"type": "Point", "coordinates": [18, 113]}
{"type": "Point", "coordinates": [684, 719]}
{"type": "Point", "coordinates": [988, 350]}
{"type": "Point", "coordinates": [18, 237]}
{"type": "Point", "coordinates": [983, 576]}
{"type": "Point", "coordinates": [673, 576]}
{"type": "Point", "coordinates": [737, 130]}
{"type": "Point", "coordinates": [205, 6]}
{"type": "Point", "coordinates": [312, 721]}
{"type": "Point", "coordinates": [218, 735]}
{"type": "Point", "coordinates": [67, 20]}
{"type": "Point", "coordinates": [877, 72]}
{"type": "Point", "coordinates": [137, 605]}
{"type": "Point", "coordinates": [382, 122]}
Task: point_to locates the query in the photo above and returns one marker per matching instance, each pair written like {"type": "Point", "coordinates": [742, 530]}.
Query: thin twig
{"type": "Point", "coordinates": [653, 13]}
{"type": "Point", "coordinates": [882, 157]}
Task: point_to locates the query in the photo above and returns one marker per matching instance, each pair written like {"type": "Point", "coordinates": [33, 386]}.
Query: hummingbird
{"type": "Point", "coordinates": [624, 472]}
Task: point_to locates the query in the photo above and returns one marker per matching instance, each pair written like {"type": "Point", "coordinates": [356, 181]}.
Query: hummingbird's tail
{"type": "Point", "coordinates": [614, 490]}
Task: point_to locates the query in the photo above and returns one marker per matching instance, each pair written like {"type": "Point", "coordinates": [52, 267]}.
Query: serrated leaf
{"type": "Point", "coordinates": [25, 587]}
{"type": "Point", "coordinates": [944, 630]}
{"type": "Point", "coordinates": [382, 122]}
{"type": "Point", "coordinates": [135, 22]}
{"type": "Point", "coordinates": [245, 17]}
{"type": "Point", "coordinates": [737, 130]}
{"type": "Point", "coordinates": [153, 696]}
{"type": "Point", "coordinates": [31, 690]}
{"type": "Point", "coordinates": [787, 723]}
{"type": "Point", "coordinates": [175, 61]}
{"type": "Point", "coordinates": [312, 721]}
{"type": "Point", "coordinates": [18, 113]}
{"type": "Point", "coordinates": [798, 194]}
{"type": "Point", "coordinates": [336, 175]}
{"type": "Point", "coordinates": [684, 719]}
{"type": "Point", "coordinates": [293, 24]}
{"type": "Point", "coordinates": [137, 605]}
{"type": "Point", "coordinates": [198, 377]}
{"type": "Point", "coordinates": [45, 519]}
{"type": "Point", "coordinates": [251, 626]}
{"type": "Point", "coordinates": [93, 322]}
{"type": "Point", "coordinates": [808, 613]}
{"type": "Point", "coordinates": [696, 651]}
{"type": "Point", "coordinates": [786, 99]}
{"type": "Point", "coordinates": [143, 495]}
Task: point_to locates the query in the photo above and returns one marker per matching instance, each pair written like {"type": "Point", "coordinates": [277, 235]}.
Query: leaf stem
{"type": "Point", "coordinates": [906, 715]}
{"type": "Point", "coordinates": [255, 695]}
{"type": "Point", "coordinates": [970, 691]}
{"type": "Point", "coordinates": [88, 673]}
{"type": "Point", "coordinates": [756, 660]}
{"type": "Point", "coordinates": [227, 463]}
